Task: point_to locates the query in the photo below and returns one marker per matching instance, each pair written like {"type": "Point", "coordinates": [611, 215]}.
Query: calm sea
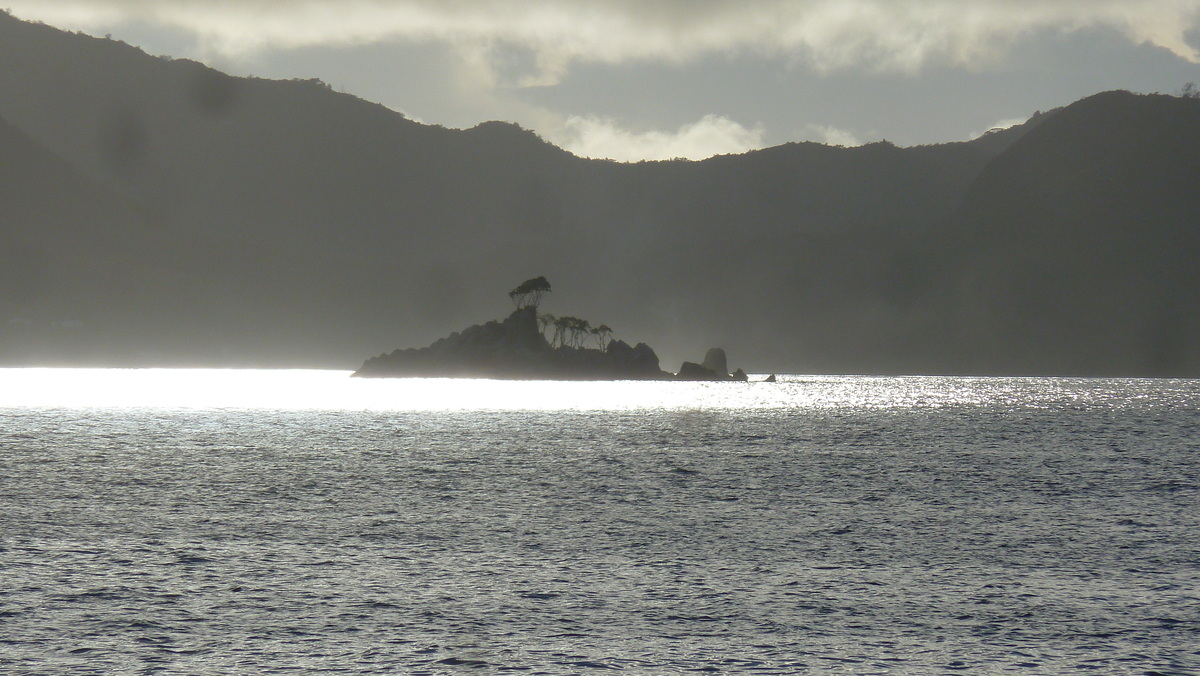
{"type": "Point", "coordinates": [224, 522]}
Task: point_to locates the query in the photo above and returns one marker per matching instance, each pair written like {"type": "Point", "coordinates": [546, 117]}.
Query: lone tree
{"type": "Point", "coordinates": [529, 292]}
{"type": "Point", "coordinates": [560, 331]}
{"type": "Point", "coordinates": [603, 335]}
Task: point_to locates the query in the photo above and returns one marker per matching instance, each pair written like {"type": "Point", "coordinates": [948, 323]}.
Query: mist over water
{"type": "Point", "coordinates": [223, 522]}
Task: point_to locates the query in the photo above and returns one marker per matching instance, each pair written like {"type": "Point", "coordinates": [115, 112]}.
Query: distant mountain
{"type": "Point", "coordinates": [1078, 249]}
{"type": "Point", "coordinates": [239, 221]}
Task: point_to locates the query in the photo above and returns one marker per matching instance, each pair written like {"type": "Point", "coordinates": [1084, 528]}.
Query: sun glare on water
{"type": "Point", "coordinates": [336, 390]}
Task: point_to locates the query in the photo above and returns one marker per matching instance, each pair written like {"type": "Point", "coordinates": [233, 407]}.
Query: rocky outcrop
{"type": "Point", "coordinates": [515, 349]}
{"type": "Point", "coordinates": [690, 370]}
{"type": "Point", "coordinates": [714, 367]}
{"type": "Point", "coordinates": [714, 360]}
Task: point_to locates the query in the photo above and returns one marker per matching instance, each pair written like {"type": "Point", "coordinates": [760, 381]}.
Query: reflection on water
{"type": "Point", "coordinates": [337, 391]}
{"type": "Point", "coordinates": [818, 525]}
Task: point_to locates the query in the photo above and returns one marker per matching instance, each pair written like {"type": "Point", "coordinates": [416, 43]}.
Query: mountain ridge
{"type": "Point", "coordinates": [285, 224]}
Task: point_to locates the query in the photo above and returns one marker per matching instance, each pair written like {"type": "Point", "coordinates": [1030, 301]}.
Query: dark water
{"type": "Point", "coordinates": [869, 526]}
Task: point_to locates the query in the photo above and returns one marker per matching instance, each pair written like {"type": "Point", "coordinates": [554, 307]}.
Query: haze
{"type": "Point", "coordinates": [158, 211]}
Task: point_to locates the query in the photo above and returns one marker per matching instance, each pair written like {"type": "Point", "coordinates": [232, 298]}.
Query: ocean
{"type": "Point", "coordinates": [225, 522]}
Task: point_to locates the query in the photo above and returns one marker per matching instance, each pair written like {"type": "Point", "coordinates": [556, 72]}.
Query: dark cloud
{"type": "Point", "coordinates": [875, 33]}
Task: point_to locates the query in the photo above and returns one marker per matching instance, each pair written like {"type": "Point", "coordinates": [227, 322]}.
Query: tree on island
{"type": "Point", "coordinates": [570, 331]}
{"type": "Point", "coordinates": [602, 334]}
{"type": "Point", "coordinates": [560, 331]}
{"type": "Point", "coordinates": [529, 293]}
{"type": "Point", "coordinates": [516, 347]}
{"type": "Point", "coordinates": [580, 330]}
{"type": "Point", "coordinates": [546, 320]}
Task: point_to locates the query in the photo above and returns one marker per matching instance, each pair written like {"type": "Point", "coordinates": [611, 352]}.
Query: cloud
{"type": "Point", "coordinates": [829, 135]}
{"type": "Point", "coordinates": [494, 59]}
{"type": "Point", "coordinates": [886, 35]}
{"type": "Point", "coordinates": [603, 138]}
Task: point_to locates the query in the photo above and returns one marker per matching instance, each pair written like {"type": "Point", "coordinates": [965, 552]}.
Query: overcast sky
{"type": "Point", "coordinates": [647, 79]}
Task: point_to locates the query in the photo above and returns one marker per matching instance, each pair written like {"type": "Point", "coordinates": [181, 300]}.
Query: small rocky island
{"type": "Point", "coordinates": [517, 348]}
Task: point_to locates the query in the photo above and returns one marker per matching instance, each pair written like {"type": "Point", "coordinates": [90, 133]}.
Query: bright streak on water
{"type": "Point", "coordinates": [336, 390]}
{"type": "Point", "coordinates": [249, 389]}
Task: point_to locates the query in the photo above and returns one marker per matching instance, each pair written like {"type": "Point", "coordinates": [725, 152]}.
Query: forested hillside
{"type": "Point", "coordinates": [160, 212]}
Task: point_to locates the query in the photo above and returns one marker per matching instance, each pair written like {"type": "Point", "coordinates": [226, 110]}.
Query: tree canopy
{"type": "Point", "coordinates": [570, 331]}
{"type": "Point", "coordinates": [529, 293]}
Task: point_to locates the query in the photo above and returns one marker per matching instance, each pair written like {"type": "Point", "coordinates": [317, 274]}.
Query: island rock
{"type": "Point", "coordinates": [714, 367]}
{"type": "Point", "coordinates": [714, 360]}
{"type": "Point", "coordinates": [515, 349]}
{"type": "Point", "coordinates": [690, 370]}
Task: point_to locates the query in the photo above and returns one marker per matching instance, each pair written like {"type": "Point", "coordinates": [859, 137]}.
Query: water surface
{"type": "Point", "coordinates": [218, 522]}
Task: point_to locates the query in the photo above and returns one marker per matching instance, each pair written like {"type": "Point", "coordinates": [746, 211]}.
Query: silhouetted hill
{"type": "Point", "coordinates": [1077, 250]}
{"type": "Point", "coordinates": [282, 223]}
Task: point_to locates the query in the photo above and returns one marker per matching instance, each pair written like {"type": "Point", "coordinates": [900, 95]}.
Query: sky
{"type": "Point", "coordinates": [656, 79]}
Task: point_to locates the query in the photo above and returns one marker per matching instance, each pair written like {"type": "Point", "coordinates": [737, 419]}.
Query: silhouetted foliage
{"type": "Point", "coordinates": [530, 292]}
{"type": "Point", "coordinates": [545, 320]}
{"type": "Point", "coordinates": [560, 331]}
{"type": "Point", "coordinates": [568, 330]}
{"type": "Point", "coordinates": [580, 330]}
{"type": "Point", "coordinates": [603, 335]}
